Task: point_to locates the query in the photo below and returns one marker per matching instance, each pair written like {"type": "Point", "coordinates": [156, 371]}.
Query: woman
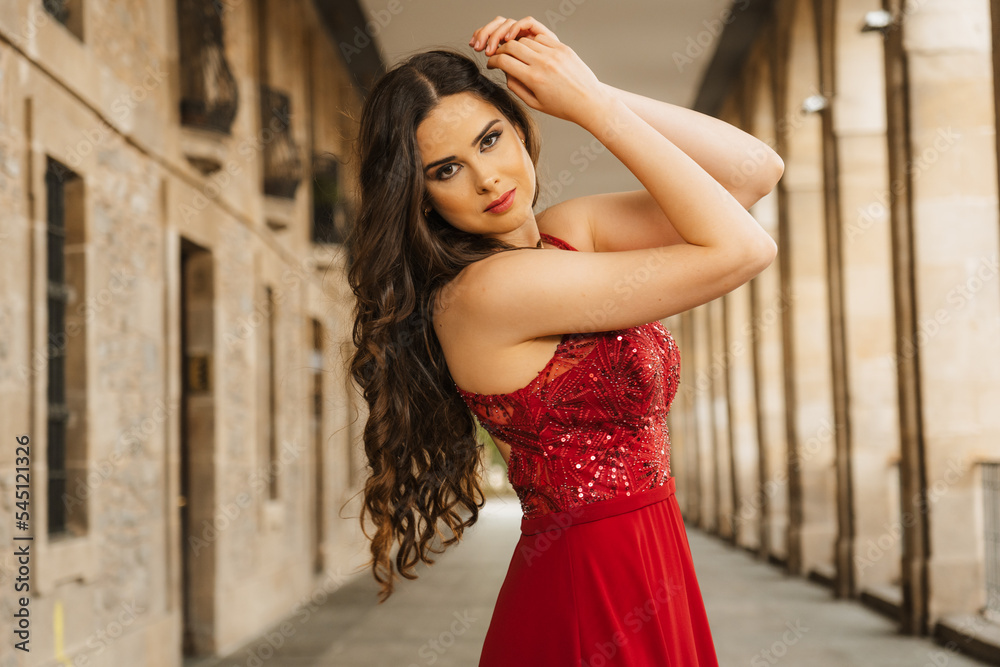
{"type": "Point", "coordinates": [453, 323]}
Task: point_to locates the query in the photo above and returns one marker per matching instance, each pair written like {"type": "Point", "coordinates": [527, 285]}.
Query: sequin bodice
{"type": "Point", "coordinates": [592, 425]}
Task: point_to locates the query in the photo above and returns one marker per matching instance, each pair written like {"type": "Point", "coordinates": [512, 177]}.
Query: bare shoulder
{"type": "Point", "coordinates": [568, 221]}
{"type": "Point", "coordinates": [631, 270]}
{"type": "Point", "coordinates": [610, 222]}
{"type": "Point", "coordinates": [470, 288]}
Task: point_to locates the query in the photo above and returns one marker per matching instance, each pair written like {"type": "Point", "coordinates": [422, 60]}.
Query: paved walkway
{"type": "Point", "coordinates": [759, 617]}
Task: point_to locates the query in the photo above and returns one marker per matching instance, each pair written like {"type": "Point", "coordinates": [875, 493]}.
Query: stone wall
{"type": "Point", "coordinates": [874, 354]}
{"type": "Point", "coordinates": [107, 108]}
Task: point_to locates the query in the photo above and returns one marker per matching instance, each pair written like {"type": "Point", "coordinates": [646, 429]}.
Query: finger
{"type": "Point", "coordinates": [529, 26]}
{"type": "Point", "coordinates": [479, 33]}
{"type": "Point", "coordinates": [529, 43]}
{"type": "Point", "coordinates": [479, 36]}
{"type": "Point", "coordinates": [523, 92]}
{"type": "Point", "coordinates": [547, 39]}
{"type": "Point", "coordinates": [520, 50]}
{"type": "Point", "coordinates": [509, 65]}
{"type": "Point", "coordinates": [493, 40]}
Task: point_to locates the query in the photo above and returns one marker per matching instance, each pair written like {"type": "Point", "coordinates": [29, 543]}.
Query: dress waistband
{"type": "Point", "coordinates": [601, 509]}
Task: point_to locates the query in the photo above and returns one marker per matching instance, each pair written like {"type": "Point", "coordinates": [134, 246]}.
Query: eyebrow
{"type": "Point", "coordinates": [475, 141]}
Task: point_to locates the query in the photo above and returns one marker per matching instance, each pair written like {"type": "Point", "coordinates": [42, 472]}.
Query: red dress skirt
{"type": "Point", "coordinates": [608, 583]}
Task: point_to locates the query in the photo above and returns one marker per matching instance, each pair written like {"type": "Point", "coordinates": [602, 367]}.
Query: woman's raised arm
{"type": "Point", "coordinates": [743, 164]}
{"type": "Point", "coordinates": [746, 166]}
{"type": "Point", "coordinates": [526, 295]}
{"type": "Point", "coordinates": [550, 77]}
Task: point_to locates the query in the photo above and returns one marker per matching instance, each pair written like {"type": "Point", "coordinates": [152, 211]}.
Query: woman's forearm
{"type": "Point", "coordinates": [697, 205]}
{"type": "Point", "coordinates": [746, 166]}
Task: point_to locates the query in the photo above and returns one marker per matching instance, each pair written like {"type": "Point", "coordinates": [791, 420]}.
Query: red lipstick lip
{"type": "Point", "coordinates": [503, 201]}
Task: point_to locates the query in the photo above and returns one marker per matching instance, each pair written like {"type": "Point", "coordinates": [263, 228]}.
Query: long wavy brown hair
{"type": "Point", "coordinates": [419, 437]}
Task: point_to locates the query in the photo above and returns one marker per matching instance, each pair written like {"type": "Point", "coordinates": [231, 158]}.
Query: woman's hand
{"type": "Point", "coordinates": [489, 37]}
{"type": "Point", "coordinates": [547, 74]}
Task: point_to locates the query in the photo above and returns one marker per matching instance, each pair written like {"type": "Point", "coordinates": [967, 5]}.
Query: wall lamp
{"type": "Point", "coordinates": [876, 21]}
{"type": "Point", "coordinates": [815, 103]}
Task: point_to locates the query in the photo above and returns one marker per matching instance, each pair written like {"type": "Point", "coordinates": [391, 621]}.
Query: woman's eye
{"type": "Point", "coordinates": [489, 141]}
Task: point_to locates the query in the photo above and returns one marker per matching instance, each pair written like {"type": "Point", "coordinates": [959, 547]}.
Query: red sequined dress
{"type": "Point", "coordinates": [602, 573]}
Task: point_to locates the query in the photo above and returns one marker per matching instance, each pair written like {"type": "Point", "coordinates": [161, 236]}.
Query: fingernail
{"type": "Point", "coordinates": [477, 43]}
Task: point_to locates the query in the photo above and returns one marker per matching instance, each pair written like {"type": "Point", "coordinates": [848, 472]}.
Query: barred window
{"type": "Point", "coordinates": [65, 351]}
{"type": "Point", "coordinates": [209, 94]}
{"type": "Point", "coordinates": [329, 224]}
{"type": "Point", "coordinates": [67, 12]}
{"type": "Point", "coordinates": [268, 380]}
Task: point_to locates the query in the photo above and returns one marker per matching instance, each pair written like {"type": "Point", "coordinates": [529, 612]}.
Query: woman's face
{"type": "Point", "coordinates": [472, 156]}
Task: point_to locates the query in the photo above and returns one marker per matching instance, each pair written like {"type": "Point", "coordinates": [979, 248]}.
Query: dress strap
{"type": "Point", "coordinates": [555, 240]}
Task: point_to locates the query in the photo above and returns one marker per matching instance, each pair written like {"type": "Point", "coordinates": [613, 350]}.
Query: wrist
{"type": "Point", "coordinates": [608, 89]}
{"type": "Point", "coordinates": [602, 114]}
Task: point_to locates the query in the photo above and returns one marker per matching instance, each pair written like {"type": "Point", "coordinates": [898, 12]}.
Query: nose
{"type": "Point", "coordinates": [488, 182]}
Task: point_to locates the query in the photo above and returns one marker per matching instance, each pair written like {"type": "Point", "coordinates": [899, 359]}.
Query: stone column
{"type": "Point", "coordinates": [768, 303]}
{"type": "Point", "coordinates": [719, 397]}
{"type": "Point", "coordinates": [702, 398]}
{"type": "Point", "coordinates": [843, 582]}
{"type": "Point", "coordinates": [748, 472]}
{"type": "Point", "coordinates": [859, 131]}
{"type": "Point", "coordinates": [743, 413]}
{"type": "Point", "coordinates": [737, 383]}
{"type": "Point", "coordinates": [692, 456]}
{"type": "Point", "coordinates": [681, 439]}
{"type": "Point", "coordinates": [944, 151]}
{"type": "Point", "coordinates": [812, 527]}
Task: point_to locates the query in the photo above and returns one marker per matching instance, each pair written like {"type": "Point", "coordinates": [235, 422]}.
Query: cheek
{"type": "Point", "coordinates": [529, 167]}
{"type": "Point", "coordinates": [444, 198]}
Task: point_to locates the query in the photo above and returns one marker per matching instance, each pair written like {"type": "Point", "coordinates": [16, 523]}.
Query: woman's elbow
{"type": "Point", "coordinates": [770, 175]}
{"type": "Point", "coordinates": [763, 183]}
{"type": "Point", "coordinates": [761, 253]}
{"type": "Point", "coordinates": [777, 170]}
